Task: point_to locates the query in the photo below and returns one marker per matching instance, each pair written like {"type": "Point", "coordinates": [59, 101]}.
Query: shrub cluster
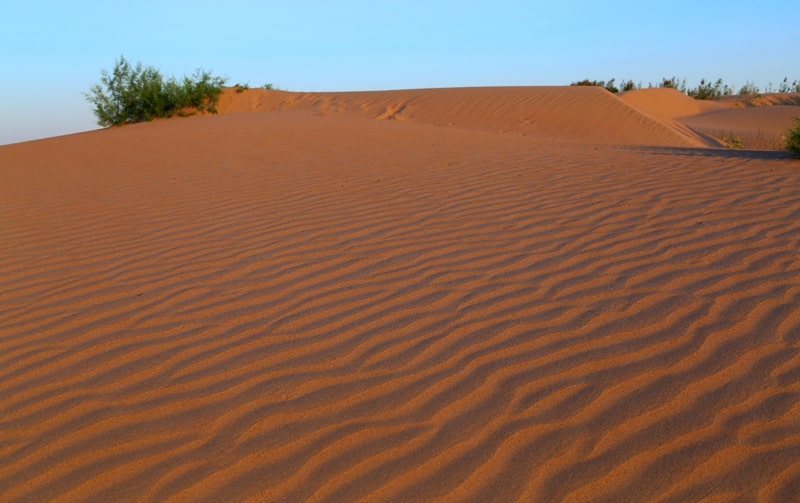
{"type": "Point", "coordinates": [136, 93]}
{"type": "Point", "coordinates": [705, 91]}
{"type": "Point", "coordinates": [793, 138]}
{"type": "Point", "coordinates": [609, 86]}
{"type": "Point", "coordinates": [672, 83]}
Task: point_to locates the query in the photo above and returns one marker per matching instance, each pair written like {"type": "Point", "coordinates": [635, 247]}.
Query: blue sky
{"type": "Point", "coordinates": [52, 52]}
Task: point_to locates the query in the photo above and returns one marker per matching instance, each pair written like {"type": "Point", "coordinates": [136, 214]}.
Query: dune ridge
{"type": "Point", "coordinates": [319, 306]}
{"type": "Point", "coordinates": [582, 114]}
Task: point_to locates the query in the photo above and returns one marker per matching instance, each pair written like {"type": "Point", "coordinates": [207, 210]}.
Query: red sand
{"type": "Point", "coordinates": [513, 295]}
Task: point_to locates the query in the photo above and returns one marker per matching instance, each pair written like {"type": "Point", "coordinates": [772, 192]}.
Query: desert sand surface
{"type": "Point", "coordinates": [503, 294]}
{"type": "Point", "coordinates": [756, 123]}
{"type": "Point", "coordinates": [759, 128]}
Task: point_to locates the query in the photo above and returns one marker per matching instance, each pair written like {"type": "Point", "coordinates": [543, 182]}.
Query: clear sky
{"type": "Point", "coordinates": [51, 52]}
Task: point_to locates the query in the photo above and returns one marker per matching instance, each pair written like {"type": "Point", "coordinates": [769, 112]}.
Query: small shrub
{"type": "Point", "coordinates": [268, 86]}
{"type": "Point", "coordinates": [786, 87]}
{"type": "Point", "coordinates": [629, 85]}
{"type": "Point", "coordinates": [135, 93]}
{"type": "Point", "coordinates": [608, 86]}
{"type": "Point", "coordinates": [749, 89]}
{"type": "Point", "coordinates": [240, 88]}
{"type": "Point", "coordinates": [707, 90]}
{"type": "Point", "coordinates": [587, 82]}
{"type": "Point", "coordinates": [793, 138]}
{"type": "Point", "coordinates": [673, 83]}
{"type": "Point", "coordinates": [730, 140]}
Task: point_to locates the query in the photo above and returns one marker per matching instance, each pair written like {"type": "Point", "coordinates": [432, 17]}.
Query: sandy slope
{"type": "Point", "coordinates": [303, 307]}
{"type": "Point", "coordinates": [763, 128]}
{"type": "Point", "coordinates": [578, 114]}
{"type": "Point", "coordinates": [668, 104]}
{"type": "Point", "coordinates": [721, 122]}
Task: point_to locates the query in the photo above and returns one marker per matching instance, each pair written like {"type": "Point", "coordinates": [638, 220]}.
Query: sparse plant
{"type": "Point", "coordinates": [793, 138]}
{"type": "Point", "coordinates": [137, 93]}
{"type": "Point", "coordinates": [608, 86]}
{"type": "Point", "coordinates": [707, 90]}
{"type": "Point", "coordinates": [731, 140]}
{"type": "Point", "coordinates": [240, 88]}
{"type": "Point", "coordinates": [587, 82]}
{"type": "Point", "coordinates": [749, 89]}
{"type": "Point", "coordinates": [786, 87]}
{"type": "Point", "coordinates": [268, 86]}
{"type": "Point", "coordinates": [673, 83]}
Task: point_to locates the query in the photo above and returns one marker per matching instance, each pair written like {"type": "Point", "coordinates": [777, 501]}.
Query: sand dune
{"type": "Point", "coordinates": [763, 128]}
{"type": "Point", "coordinates": [314, 305]}
{"type": "Point", "coordinates": [668, 104]}
{"type": "Point", "coordinates": [578, 114]}
{"type": "Point", "coordinates": [722, 122]}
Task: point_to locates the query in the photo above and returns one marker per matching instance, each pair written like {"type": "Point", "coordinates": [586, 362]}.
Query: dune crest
{"type": "Point", "coordinates": [577, 114]}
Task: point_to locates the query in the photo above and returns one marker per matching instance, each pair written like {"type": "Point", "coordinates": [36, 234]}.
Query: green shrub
{"type": "Point", "coordinates": [629, 85]}
{"type": "Point", "coordinates": [793, 138]}
{"type": "Point", "coordinates": [240, 88]}
{"type": "Point", "coordinates": [786, 87]}
{"type": "Point", "coordinates": [608, 86]}
{"type": "Point", "coordinates": [707, 90]}
{"type": "Point", "coordinates": [673, 83]}
{"type": "Point", "coordinates": [135, 93]}
{"type": "Point", "coordinates": [749, 89]}
{"type": "Point", "coordinates": [587, 82]}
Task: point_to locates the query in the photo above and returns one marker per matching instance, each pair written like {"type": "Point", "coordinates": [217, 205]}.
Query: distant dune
{"type": "Point", "coordinates": [657, 116]}
{"type": "Point", "coordinates": [484, 294]}
{"type": "Point", "coordinates": [575, 114]}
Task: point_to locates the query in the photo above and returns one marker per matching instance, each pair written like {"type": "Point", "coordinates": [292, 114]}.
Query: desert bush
{"type": "Point", "coordinates": [793, 138]}
{"type": "Point", "coordinates": [749, 89]}
{"type": "Point", "coordinates": [240, 88]}
{"type": "Point", "coordinates": [786, 87]}
{"type": "Point", "coordinates": [629, 85]}
{"type": "Point", "coordinates": [673, 83]}
{"type": "Point", "coordinates": [608, 86]}
{"type": "Point", "coordinates": [136, 93]}
{"type": "Point", "coordinates": [731, 140]}
{"type": "Point", "coordinates": [707, 90]}
{"type": "Point", "coordinates": [587, 82]}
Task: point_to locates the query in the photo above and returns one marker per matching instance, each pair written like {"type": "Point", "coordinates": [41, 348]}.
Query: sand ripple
{"type": "Point", "coordinates": [277, 307]}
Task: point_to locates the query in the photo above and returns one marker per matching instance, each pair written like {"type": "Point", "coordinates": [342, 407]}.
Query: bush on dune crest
{"type": "Point", "coordinates": [706, 90]}
{"type": "Point", "coordinates": [135, 93]}
{"type": "Point", "coordinates": [608, 86]}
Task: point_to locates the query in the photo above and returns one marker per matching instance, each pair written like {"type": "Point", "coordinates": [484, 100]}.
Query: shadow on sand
{"type": "Point", "coordinates": [718, 152]}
